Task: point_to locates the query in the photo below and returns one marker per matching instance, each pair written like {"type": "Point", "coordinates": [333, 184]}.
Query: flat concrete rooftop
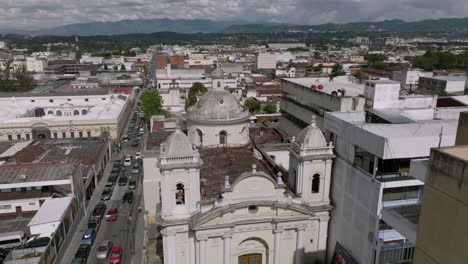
{"type": "Point", "coordinates": [341, 82]}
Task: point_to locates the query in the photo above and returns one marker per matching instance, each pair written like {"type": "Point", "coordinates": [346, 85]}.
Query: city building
{"type": "Point", "coordinates": [223, 201]}
{"type": "Point", "coordinates": [407, 76]}
{"type": "Point", "coordinates": [442, 85]}
{"type": "Point", "coordinates": [303, 97]}
{"type": "Point", "coordinates": [372, 175]}
{"type": "Point", "coordinates": [442, 219]}
{"type": "Point", "coordinates": [62, 115]}
{"type": "Point", "coordinates": [266, 61]}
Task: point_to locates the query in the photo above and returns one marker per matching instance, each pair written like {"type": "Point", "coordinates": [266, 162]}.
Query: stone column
{"type": "Point", "coordinates": [299, 245]}
{"type": "Point", "coordinates": [171, 248]}
{"type": "Point", "coordinates": [227, 249]}
{"type": "Point", "coordinates": [277, 252]}
{"type": "Point", "coordinates": [322, 243]}
{"type": "Point", "coordinates": [202, 244]}
{"type": "Point", "coordinates": [326, 189]}
{"type": "Point", "coordinates": [192, 251]}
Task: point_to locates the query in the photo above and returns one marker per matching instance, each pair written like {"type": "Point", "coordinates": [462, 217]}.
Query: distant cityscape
{"type": "Point", "coordinates": [246, 144]}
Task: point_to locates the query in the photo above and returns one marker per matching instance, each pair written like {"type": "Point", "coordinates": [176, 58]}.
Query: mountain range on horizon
{"type": "Point", "coordinates": [230, 27]}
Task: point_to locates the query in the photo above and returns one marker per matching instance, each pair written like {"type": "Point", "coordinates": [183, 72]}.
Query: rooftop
{"type": "Point", "coordinates": [155, 139]}
{"type": "Point", "coordinates": [460, 152]}
{"type": "Point", "coordinates": [232, 162]}
{"type": "Point", "coordinates": [14, 225]}
{"type": "Point", "coordinates": [52, 210]}
{"type": "Point", "coordinates": [449, 78]}
{"type": "Point", "coordinates": [342, 83]}
{"type": "Point", "coordinates": [39, 172]}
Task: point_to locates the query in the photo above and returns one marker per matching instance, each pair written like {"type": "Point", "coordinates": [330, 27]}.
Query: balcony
{"type": "Point", "coordinates": [392, 176]}
{"type": "Point", "coordinates": [402, 253]}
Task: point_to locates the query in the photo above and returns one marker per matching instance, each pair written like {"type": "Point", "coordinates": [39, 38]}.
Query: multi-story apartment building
{"type": "Point", "coordinates": [266, 61]}
{"type": "Point", "coordinates": [371, 174]}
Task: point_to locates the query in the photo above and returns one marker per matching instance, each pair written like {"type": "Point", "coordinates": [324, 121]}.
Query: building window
{"type": "Point", "coordinates": [5, 207]}
{"type": "Point", "coordinates": [253, 209]}
{"type": "Point", "coordinates": [363, 159]}
{"type": "Point", "coordinates": [58, 113]}
{"type": "Point", "coordinates": [23, 189]}
{"type": "Point", "coordinates": [315, 183]}
{"type": "Point", "coordinates": [400, 193]}
{"type": "Point", "coordinates": [219, 84]}
{"type": "Point", "coordinates": [28, 137]}
{"type": "Point", "coordinates": [72, 134]}
{"type": "Point", "coordinates": [55, 135]}
{"type": "Point", "coordinates": [51, 101]}
{"type": "Point", "coordinates": [64, 135]}
{"type": "Point", "coordinates": [86, 99]}
{"type": "Point", "coordinates": [76, 112]}
{"type": "Point", "coordinates": [222, 137]}
{"type": "Point", "coordinates": [89, 133]}
{"type": "Point", "coordinates": [32, 101]}
{"type": "Point", "coordinates": [180, 194]}
{"type": "Point", "coordinates": [84, 112]}
{"type": "Point", "coordinates": [18, 137]}
{"type": "Point", "coordinates": [68, 100]}
{"type": "Point", "coordinates": [32, 203]}
{"type": "Point", "coordinates": [80, 134]}
{"type": "Point", "coordinates": [103, 99]}
{"type": "Point", "coordinates": [199, 135]}
{"type": "Point", "coordinates": [10, 137]}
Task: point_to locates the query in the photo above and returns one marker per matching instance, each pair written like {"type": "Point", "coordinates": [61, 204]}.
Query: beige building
{"type": "Point", "coordinates": [62, 116]}
{"type": "Point", "coordinates": [442, 227]}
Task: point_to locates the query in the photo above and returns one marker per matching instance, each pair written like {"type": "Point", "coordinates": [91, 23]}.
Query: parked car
{"type": "Point", "coordinates": [138, 155]}
{"type": "Point", "coordinates": [104, 249]}
{"type": "Point", "coordinates": [132, 184]}
{"type": "Point", "coordinates": [126, 138]}
{"type": "Point", "coordinates": [78, 261]}
{"type": "Point", "coordinates": [118, 162]}
{"type": "Point", "coordinates": [94, 223]}
{"type": "Point", "coordinates": [115, 169]}
{"type": "Point", "coordinates": [128, 197]}
{"type": "Point", "coordinates": [116, 255]}
{"type": "Point", "coordinates": [99, 210]}
{"type": "Point", "coordinates": [127, 162]}
{"type": "Point", "coordinates": [135, 142]}
{"type": "Point", "coordinates": [110, 185]}
{"type": "Point", "coordinates": [139, 136]}
{"type": "Point", "coordinates": [123, 181]}
{"type": "Point", "coordinates": [112, 178]}
{"type": "Point", "coordinates": [106, 194]}
{"type": "Point", "coordinates": [135, 168]}
{"type": "Point", "coordinates": [88, 236]}
{"type": "Point", "coordinates": [141, 131]}
{"type": "Point", "coordinates": [112, 214]}
{"type": "Point", "coordinates": [83, 252]}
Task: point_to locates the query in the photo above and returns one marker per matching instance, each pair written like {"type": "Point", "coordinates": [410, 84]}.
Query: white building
{"type": "Point", "coordinates": [371, 173]}
{"type": "Point", "coordinates": [266, 61]}
{"type": "Point", "coordinates": [221, 204]}
{"type": "Point", "coordinates": [407, 76]}
{"type": "Point", "coordinates": [62, 116]}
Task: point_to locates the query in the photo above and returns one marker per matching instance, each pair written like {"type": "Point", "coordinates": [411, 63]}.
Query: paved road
{"type": "Point", "coordinates": [119, 232]}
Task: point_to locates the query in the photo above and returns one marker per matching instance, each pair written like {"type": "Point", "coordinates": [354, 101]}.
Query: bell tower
{"type": "Point", "coordinates": [310, 163]}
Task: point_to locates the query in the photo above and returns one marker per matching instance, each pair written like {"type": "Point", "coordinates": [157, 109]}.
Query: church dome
{"type": "Point", "coordinates": [178, 145]}
{"type": "Point", "coordinates": [218, 73]}
{"type": "Point", "coordinates": [217, 105]}
{"type": "Point", "coordinates": [311, 136]}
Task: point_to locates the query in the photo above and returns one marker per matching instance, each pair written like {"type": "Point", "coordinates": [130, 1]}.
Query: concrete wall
{"type": "Point", "coordinates": [444, 214]}
{"type": "Point", "coordinates": [151, 186]}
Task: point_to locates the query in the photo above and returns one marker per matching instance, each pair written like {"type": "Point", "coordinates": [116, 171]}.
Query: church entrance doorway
{"type": "Point", "coordinates": [250, 259]}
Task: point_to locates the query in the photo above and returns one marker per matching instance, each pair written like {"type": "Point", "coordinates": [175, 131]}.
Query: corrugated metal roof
{"type": "Point", "coordinates": [35, 172]}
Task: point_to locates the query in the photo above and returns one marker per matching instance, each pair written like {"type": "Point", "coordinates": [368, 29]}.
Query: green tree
{"type": "Point", "coordinates": [337, 70]}
{"type": "Point", "coordinates": [78, 54]}
{"type": "Point", "coordinates": [124, 77]}
{"type": "Point", "coordinates": [360, 75]}
{"type": "Point", "coordinates": [375, 57]}
{"type": "Point", "coordinates": [252, 104]}
{"type": "Point", "coordinates": [379, 65]}
{"type": "Point", "coordinates": [197, 89]}
{"type": "Point", "coordinates": [152, 104]}
{"type": "Point", "coordinates": [93, 72]}
{"type": "Point", "coordinates": [123, 67]}
{"type": "Point", "coordinates": [106, 67]}
{"type": "Point", "coordinates": [317, 55]}
{"type": "Point", "coordinates": [15, 79]}
{"type": "Point", "coordinates": [270, 109]}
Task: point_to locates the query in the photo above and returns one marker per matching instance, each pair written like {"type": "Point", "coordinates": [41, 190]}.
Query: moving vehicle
{"type": "Point", "coordinates": [128, 197]}
{"type": "Point", "coordinates": [141, 131]}
{"type": "Point", "coordinates": [128, 162]}
{"type": "Point", "coordinates": [94, 223]}
{"type": "Point", "coordinates": [104, 249]}
{"type": "Point", "coordinates": [123, 181]}
{"type": "Point", "coordinates": [106, 194]}
{"type": "Point", "coordinates": [132, 184]}
{"type": "Point", "coordinates": [12, 239]}
{"type": "Point", "coordinates": [99, 210]}
{"type": "Point", "coordinates": [138, 155]}
{"type": "Point", "coordinates": [88, 236]}
{"type": "Point", "coordinates": [116, 255]}
{"type": "Point", "coordinates": [112, 214]}
{"type": "Point", "coordinates": [82, 252]}
{"type": "Point", "coordinates": [136, 168]}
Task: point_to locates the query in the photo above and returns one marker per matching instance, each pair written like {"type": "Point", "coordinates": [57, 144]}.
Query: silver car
{"type": "Point", "coordinates": [104, 249]}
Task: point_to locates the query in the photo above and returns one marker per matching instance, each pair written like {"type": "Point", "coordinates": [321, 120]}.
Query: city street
{"type": "Point", "coordinates": [121, 231]}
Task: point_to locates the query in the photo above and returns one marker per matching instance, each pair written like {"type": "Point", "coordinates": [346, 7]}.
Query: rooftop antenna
{"type": "Point", "coordinates": [440, 135]}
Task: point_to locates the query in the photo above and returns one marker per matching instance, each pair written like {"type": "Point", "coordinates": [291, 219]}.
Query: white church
{"type": "Point", "coordinates": [211, 216]}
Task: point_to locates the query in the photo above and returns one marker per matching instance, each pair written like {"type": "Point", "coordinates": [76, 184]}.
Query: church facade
{"type": "Point", "coordinates": [210, 216]}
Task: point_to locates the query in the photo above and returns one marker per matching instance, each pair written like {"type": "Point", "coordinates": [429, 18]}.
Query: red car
{"type": "Point", "coordinates": [115, 255]}
{"type": "Point", "coordinates": [112, 214]}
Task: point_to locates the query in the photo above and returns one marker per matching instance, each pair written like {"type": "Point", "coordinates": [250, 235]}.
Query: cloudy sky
{"type": "Point", "coordinates": [50, 13]}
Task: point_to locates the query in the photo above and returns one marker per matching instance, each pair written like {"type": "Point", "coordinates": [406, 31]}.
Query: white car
{"type": "Point", "coordinates": [142, 131]}
{"type": "Point", "coordinates": [127, 162]}
{"type": "Point", "coordinates": [138, 155]}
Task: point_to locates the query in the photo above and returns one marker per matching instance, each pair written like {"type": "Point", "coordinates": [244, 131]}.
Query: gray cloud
{"type": "Point", "coordinates": [47, 13]}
